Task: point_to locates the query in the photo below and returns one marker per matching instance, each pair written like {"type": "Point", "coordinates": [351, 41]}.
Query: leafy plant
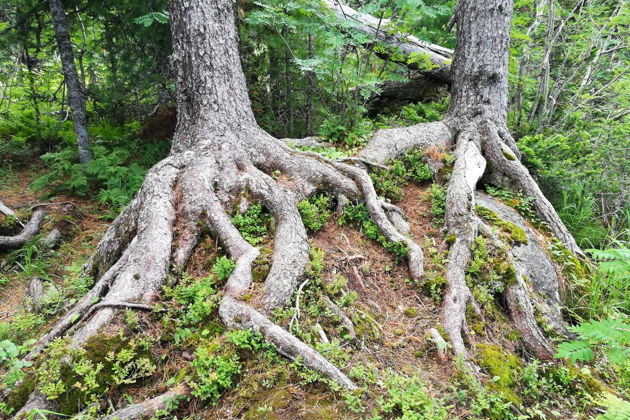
{"type": "Point", "coordinates": [10, 359]}
{"type": "Point", "coordinates": [214, 371]}
{"type": "Point", "coordinates": [438, 204]}
{"type": "Point", "coordinates": [315, 211]}
{"type": "Point", "coordinates": [252, 224]}
{"type": "Point", "coordinates": [610, 337]}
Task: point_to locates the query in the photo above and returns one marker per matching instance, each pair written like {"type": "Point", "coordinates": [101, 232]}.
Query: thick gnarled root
{"type": "Point", "coordinates": [30, 229]}
{"type": "Point", "coordinates": [461, 223]}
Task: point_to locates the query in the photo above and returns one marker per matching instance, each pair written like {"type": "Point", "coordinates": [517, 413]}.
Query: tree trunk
{"type": "Point", "coordinates": [220, 157]}
{"type": "Point", "coordinates": [76, 94]}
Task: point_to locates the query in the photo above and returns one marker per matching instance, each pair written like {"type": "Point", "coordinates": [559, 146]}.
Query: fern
{"type": "Point", "coordinates": [576, 351]}
{"type": "Point", "coordinates": [611, 337]}
{"type": "Point", "coordinates": [613, 261]}
{"type": "Point", "coordinates": [616, 408]}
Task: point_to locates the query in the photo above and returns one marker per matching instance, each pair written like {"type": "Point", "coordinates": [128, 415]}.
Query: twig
{"type": "Point", "coordinates": [296, 315]}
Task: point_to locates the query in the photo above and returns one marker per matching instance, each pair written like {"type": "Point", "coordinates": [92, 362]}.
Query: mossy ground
{"type": "Point", "coordinates": [391, 316]}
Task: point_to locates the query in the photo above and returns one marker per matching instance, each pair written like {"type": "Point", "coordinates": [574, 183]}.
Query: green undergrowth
{"type": "Point", "coordinates": [409, 167]}
{"type": "Point", "coordinates": [315, 211]}
{"type": "Point", "coordinates": [488, 272]}
{"type": "Point", "coordinates": [116, 173]}
{"type": "Point", "coordinates": [357, 216]}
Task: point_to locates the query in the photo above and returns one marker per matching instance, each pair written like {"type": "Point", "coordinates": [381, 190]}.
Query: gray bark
{"type": "Point", "coordinates": [76, 93]}
{"type": "Point", "coordinates": [31, 229]}
{"type": "Point", "coordinates": [219, 155]}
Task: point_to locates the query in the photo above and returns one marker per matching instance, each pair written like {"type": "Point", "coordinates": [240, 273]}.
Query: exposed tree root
{"type": "Point", "coordinates": [160, 229]}
{"type": "Point", "coordinates": [147, 408]}
{"type": "Point", "coordinates": [31, 229]}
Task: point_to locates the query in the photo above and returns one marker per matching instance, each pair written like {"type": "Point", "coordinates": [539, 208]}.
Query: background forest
{"type": "Point", "coordinates": [311, 74]}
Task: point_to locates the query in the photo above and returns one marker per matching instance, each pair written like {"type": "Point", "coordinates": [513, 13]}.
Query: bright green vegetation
{"type": "Point", "coordinates": [488, 272]}
{"type": "Point", "coordinates": [410, 166]}
{"type": "Point", "coordinates": [253, 223]}
{"type": "Point", "coordinates": [356, 215]}
{"type": "Point", "coordinates": [309, 75]}
{"type": "Point", "coordinates": [514, 234]}
{"type": "Point", "coordinates": [315, 211]}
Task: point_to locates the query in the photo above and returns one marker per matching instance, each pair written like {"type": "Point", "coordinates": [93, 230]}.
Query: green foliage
{"type": "Point", "coordinates": [67, 370]}
{"type": "Point", "coordinates": [128, 365]}
{"type": "Point", "coordinates": [438, 204]}
{"type": "Point", "coordinates": [614, 261]}
{"type": "Point", "coordinates": [517, 201]}
{"type": "Point", "coordinates": [214, 370]}
{"type": "Point", "coordinates": [488, 272]}
{"type": "Point", "coordinates": [408, 396]}
{"type": "Point", "coordinates": [357, 215]}
{"type": "Point", "coordinates": [610, 337]}
{"type": "Point", "coordinates": [253, 224]}
{"type": "Point", "coordinates": [409, 167]}
{"type": "Point", "coordinates": [11, 362]}
{"type": "Point", "coordinates": [351, 135]}
{"type": "Point", "coordinates": [315, 211]}
{"type": "Point", "coordinates": [194, 301]}
{"type": "Point", "coordinates": [116, 173]}
{"type": "Point", "coordinates": [514, 234]}
{"type": "Point", "coordinates": [223, 268]}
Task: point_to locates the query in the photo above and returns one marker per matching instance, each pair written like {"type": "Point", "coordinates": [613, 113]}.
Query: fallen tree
{"type": "Point", "coordinates": [221, 159]}
{"type": "Point", "coordinates": [403, 49]}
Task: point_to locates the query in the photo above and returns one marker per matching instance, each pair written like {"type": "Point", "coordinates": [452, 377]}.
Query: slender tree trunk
{"type": "Point", "coordinates": [76, 93]}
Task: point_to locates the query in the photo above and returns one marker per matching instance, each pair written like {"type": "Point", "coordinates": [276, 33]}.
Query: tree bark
{"type": "Point", "coordinates": [220, 156]}
{"type": "Point", "coordinates": [405, 45]}
{"type": "Point", "coordinates": [76, 94]}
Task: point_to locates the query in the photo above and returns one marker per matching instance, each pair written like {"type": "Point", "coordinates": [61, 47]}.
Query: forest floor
{"type": "Point", "coordinates": [392, 356]}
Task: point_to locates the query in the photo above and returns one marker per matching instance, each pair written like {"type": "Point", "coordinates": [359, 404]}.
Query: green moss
{"type": "Point", "coordinates": [365, 324]}
{"type": "Point", "coordinates": [19, 396]}
{"type": "Point", "coordinates": [478, 327]}
{"type": "Point", "coordinates": [265, 406]}
{"type": "Point", "coordinates": [514, 335]}
{"type": "Point", "coordinates": [504, 367]}
{"type": "Point", "coordinates": [411, 312]}
{"type": "Point", "coordinates": [262, 265]}
{"type": "Point", "coordinates": [510, 276]}
{"type": "Point", "coordinates": [508, 155]}
{"type": "Point", "coordinates": [450, 239]}
{"type": "Point", "coordinates": [515, 234]}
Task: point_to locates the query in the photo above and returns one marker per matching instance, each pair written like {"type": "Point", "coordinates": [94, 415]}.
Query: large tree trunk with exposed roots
{"type": "Point", "coordinates": [221, 159]}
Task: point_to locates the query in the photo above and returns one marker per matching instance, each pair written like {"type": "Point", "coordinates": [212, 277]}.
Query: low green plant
{"type": "Point", "coordinates": [408, 396]}
{"type": "Point", "coordinates": [252, 224]}
{"type": "Point", "coordinates": [11, 360]}
{"type": "Point", "coordinates": [349, 133]}
{"type": "Point", "coordinates": [516, 200]}
{"type": "Point", "coordinates": [194, 300]}
{"type": "Point", "coordinates": [438, 204]}
{"type": "Point", "coordinates": [223, 268]}
{"type": "Point", "coordinates": [128, 365]}
{"type": "Point", "coordinates": [609, 338]}
{"type": "Point", "coordinates": [410, 166]}
{"type": "Point", "coordinates": [315, 211]}
{"type": "Point", "coordinates": [488, 272]}
{"type": "Point", "coordinates": [67, 369]}
{"type": "Point", "coordinates": [214, 370]}
{"type": "Point", "coordinates": [357, 215]}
